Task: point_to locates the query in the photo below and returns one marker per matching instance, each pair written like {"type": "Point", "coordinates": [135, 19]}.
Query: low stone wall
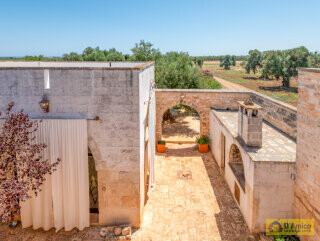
{"type": "Point", "coordinates": [279, 114]}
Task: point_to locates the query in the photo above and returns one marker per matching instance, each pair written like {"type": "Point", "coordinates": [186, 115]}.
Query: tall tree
{"type": "Point", "coordinates": [144, 51]}
{"type": "Point", "coordinates": [254, 61]}
{"type": "Point", "coordinates": [314, 60]}
{"type": "Point", "coordinates": [177, 71]}
{"type": "Point", "coordinates": [22, 169]}
{"type": "Point", "coordinates": [226, 62]}
{"type": "Point", "coordinates": [234, 60]}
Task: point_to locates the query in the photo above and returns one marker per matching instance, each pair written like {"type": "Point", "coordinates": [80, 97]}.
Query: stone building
{"type": "Point", "coordinates": [267, 153]}
{"type": "Point", "coordinates": [114, 98]}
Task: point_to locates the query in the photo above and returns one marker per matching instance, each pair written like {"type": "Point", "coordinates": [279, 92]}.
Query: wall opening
{"type": "Point", "coordinates": [180, 123]}
{"type": "Point", "coordinates": [223, 151]}
{"type": "Point", "coordinates": [46, 79]}
{"type": "Point", "coordinates": [236, 164]}
{"type": "Point", "coordinates": [93, 189]}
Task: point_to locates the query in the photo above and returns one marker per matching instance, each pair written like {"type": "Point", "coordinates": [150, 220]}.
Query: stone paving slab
{"type": "Point", "coordinates": [190, 201]}
{"type": "Point", "coordinates": [199, 207]}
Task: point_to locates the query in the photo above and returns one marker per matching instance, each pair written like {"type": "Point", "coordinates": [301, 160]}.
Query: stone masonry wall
{"type": "Point", "coordinates": [85, 93]}
{"type": "Point", "coordinates": [307, 184]}
{"type": "Point", "coordinates": [279, 114]}
{"type": "Point", "coordinates": [200, 100]}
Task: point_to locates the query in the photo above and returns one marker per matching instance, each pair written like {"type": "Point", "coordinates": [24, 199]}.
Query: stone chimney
{"type": "Point", "coordinates": [250, 123]}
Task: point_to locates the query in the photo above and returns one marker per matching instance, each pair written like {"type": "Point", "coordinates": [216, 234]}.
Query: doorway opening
{"type": "Point", "coordinates": [180, 124]}
{"type": "Point", "coordinates": [93, 189]}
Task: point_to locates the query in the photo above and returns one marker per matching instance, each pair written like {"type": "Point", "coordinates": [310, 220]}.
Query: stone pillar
{"type": "Point", "coordinates": [250, 123]}
{"type": "Point", "coordinates": [307, 184]}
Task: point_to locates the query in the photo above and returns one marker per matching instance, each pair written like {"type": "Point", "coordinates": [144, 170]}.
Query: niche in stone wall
{"type": "Point", "coordinates": [236, 165]}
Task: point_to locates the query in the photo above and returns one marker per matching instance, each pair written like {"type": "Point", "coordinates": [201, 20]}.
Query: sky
{"type": "Point", "coordinates": [199, 27]}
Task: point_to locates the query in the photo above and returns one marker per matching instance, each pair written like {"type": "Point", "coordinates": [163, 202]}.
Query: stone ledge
{"type": "Point", "coordinates": [315, 70]}
{"type": "Point", "coordinates": [203, 91]}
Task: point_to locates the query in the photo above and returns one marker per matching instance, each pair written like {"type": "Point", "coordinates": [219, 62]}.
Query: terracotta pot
{"type": "Point", "coordinates": [161, 148]}
{"type": "Point", "coordinates": [203, 148]}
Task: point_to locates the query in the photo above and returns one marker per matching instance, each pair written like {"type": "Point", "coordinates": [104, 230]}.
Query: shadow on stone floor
{"type": "Point", "coordinates": [229, 219]}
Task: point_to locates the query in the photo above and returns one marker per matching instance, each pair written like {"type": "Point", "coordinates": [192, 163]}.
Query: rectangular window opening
{"type": "Point", "coordinates": [46, 79]}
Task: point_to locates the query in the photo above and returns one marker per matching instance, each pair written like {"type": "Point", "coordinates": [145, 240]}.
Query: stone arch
{"type": "Point", "coordinates": [164, 107]}
{"type": "Point", "coordinates": [236, 164]}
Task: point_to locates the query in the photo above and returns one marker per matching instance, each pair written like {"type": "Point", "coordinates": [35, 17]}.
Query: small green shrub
{"type": "Point", "coordinates": [161, 142]}
{"type": "Point", "coordinates": [286, 238]}
{"type": "Point", "coordinates": [203, 140]}
{"type": "Point", "coordinates": [188, 109]}
{"type": "Point", "coordinates": [207, 82]}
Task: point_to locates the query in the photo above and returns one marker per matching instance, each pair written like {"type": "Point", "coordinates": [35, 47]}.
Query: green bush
{"type": "Point", "coordinates": [207, 82]}
{"type": "Point", "coordinates": [161, 142]}
{"type": "Point", "coordinates": [176, 71]}
{"type": "Point", "coordinates": [203, 140]}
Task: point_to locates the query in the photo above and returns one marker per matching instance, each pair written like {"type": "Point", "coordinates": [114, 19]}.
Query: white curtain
{"type": "Point", "coordinates": [64, 199]}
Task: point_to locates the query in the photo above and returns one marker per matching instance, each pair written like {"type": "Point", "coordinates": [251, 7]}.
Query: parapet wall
{"type": "Point", "coordinates": [307, 184]}
{"type": "Point", "coordinates": [277, 113]}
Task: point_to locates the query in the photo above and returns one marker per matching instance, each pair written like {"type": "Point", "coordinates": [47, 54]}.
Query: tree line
{"type": "Point", "coordinates": [176, 70]}
{"type": "Point", "coordinates": [278, 64]}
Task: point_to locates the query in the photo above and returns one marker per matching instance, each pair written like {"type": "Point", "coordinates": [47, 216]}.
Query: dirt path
{"type": "Point", "coordinates": [229, 85]}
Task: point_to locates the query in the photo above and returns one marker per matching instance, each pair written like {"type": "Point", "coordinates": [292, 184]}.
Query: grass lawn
{"type": "Point", "coordinates": [272, 88]}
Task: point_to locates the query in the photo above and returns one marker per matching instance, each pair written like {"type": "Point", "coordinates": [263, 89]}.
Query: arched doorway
{"type": "Point", "coordinates": [180, 123]}
{"type": "Point", "coordinates": [236, 164]}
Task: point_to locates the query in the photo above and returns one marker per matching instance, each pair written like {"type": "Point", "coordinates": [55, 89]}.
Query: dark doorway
{"type": "Point", "coordinates": [93, 184]}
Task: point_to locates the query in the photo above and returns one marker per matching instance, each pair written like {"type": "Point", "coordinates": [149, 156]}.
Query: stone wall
{"type": "Point", "coordinates": [200, 100]}
{"type": "Point", "coordinates": [278, 113]}
{"type": "Point", "coordinates": [84, 93]}
{"type": "Point", "coordinates": [307, 188]}
{"type": "Point", "coordinates": [269, 189]}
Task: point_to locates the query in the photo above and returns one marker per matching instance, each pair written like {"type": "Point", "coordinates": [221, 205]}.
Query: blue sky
{"type": "Point", "coordinates": [200, 27]}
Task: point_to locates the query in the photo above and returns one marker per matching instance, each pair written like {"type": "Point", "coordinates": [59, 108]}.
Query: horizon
{"type": "Point", "coordinates": [204, 28]}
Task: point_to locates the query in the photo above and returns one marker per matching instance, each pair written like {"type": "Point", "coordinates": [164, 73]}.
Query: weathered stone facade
{"type": "Point", "coordinates": [265, 189]}
{"type": "Point", "coordinates": [84, 91]}
{"type": "Point", "coordinates": [307, 184]}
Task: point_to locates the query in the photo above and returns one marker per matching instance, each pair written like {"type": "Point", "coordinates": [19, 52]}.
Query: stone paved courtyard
{"type": "Point", "coordinates": [197, 206]}
{"type": "Point", "coordinates": [190, 201]}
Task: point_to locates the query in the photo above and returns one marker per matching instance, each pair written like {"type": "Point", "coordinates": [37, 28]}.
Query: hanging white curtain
{"type": "Point", "coordinates": [64, 199]}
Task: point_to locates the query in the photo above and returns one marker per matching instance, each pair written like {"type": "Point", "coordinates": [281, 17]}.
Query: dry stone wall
{"type": "Point", "coordinates": [279, 114]}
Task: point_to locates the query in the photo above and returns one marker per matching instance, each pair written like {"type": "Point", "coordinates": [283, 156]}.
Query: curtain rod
{"type": "Point", "coordinates": [57, 118]}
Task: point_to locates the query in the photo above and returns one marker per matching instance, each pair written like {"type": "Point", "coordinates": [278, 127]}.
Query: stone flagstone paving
{"type": "Point", "coordinates": [198, 206]}
{"type": "Point", "coordinates": [190, 201]}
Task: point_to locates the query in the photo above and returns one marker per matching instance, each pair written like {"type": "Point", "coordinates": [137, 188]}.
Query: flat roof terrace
{"type": "Point", "coordinates": [276, 145]}
{"type": "Point", "coordinates": [74, 65]}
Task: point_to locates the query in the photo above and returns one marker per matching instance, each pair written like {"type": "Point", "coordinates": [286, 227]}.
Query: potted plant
{"type": "Point", "coordinates": [161, 146]}
{"type": "Point", "coordinates": [203, 142]}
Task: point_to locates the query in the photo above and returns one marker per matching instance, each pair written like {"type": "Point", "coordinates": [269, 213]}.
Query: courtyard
{"type": "Point", "coordinates": [189, 199]}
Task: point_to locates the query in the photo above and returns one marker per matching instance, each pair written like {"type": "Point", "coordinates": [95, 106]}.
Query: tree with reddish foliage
{"type": "Point", "coordinates": [22, 168]}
